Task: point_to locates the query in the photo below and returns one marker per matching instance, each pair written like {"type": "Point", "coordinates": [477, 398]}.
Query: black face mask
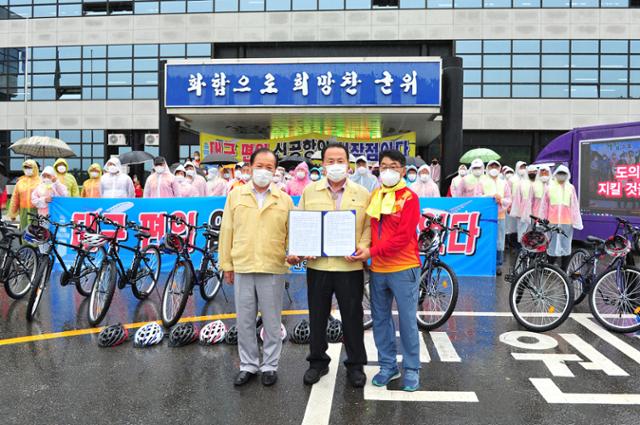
{"type": "Point", "coordinates": [532, 177]}
{"type": "Point", "coordinates": [434, 162]}
{"type": "Point", "coordinates": [376, 173]}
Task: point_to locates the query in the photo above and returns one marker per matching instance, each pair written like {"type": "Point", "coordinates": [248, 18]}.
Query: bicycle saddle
{"type": "Point", "coordinates": [595, 240]}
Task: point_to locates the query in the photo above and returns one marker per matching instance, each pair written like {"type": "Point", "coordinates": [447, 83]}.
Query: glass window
{"type": "Point", "coordinates": [43, 53]}
{"type": "Point", "coordinates": [329, 4]}
{"type": "Point", "coordinates": [146, 64]}
{"type": "Point", "coordinates": [634, 92]}
{"type": "Point", "coordinates": [615, 92]}
{"type": "Point", "coordinates": [96, 65]}
{"type": "Point", "coordinates": [44, 11]}
{"type": "Point", "coordinates": [584, 46]}
{"type": "Point", "coordinates": [173, 7]}
{"type": "Point", "coordinates": [555, 61]}
{"type": "Point", "coordinates": [119, 93]}
{"type": "Point", "coordinates": [584, 61]}
{"type": "Point", "coordinates": [584, 3]}
{"type": "Point", "coordinates": [634, 77]}
{"type": "Point", "coordinates": [635, 61]}
{"type": "Point", "coordinates": [555, 90]}
{"type": "Point", "coordinates": [497, 46]}
{"type": "Point", "coordinates": [273, 5]}
{"type": "Point", "coordinates": [21, 11]}
{"type": "Point", "coordinates": [555, 76]}
{"type": "Point", "coordinates": [439, 4]}
{"type": "Point", "coordinates": [251, 5]}
{"type": "Point", "coordinates": [120, 50]}
{"type": "Point", "coordinates": [497, 3]}
{"type": "Point", "coordinates": [635, 46]}
{"type": "Point", "coordinates": [226, 5]}
{"type": "Point", "coordinates": [469, 46]}
{"type": "Point", "coordinates": [614, 46]}
{"type": "Point", "coordinates": [615, 77]}
{"type": "Point", "coordinates": [555, 3]}
{"type": "Point", "coordinates": [412, 4]}
{"type": "Point", "coordinates": [526, 76]}
{"type": "Point", "coordinates": [471, 61]}
{"type": "Point", "coordinates": [584, 76]}
{"type": "Point", "coordinates": [70, 66]}
{"type": "Point", "coordinates": [555, 46]}
{"type": "Point", "coordinates": [525, 61]}
{"type": "Point", "coordinates": [526, 46]}
{"type": "Point", "coordinates": [525, 90]}
{"type": "Point", "coordinates": [70, 10]}
{"type": "Point", "coordinates": [613, 61]}
{"type": "Point", "coordinates": [145, 50]}
{"type": "Point", "coordinates": [495, 90]}
{"type": "Point", "coordinates": [89, 79]}
{"type": "Point", "coordinates": [200, 6]}
{"type": "Point", "coordinates": [147, 7]}
{"type": "Point", "coordinates": [97, 93]}
{"type": "Point", "coordinates": [497, 61]}
{"type": "Point", "coordinates": [43, 94]}
{"type": "Point", "coordinates": [119, 79]}
{"type": "Point", "coordinates": [42, 80]}
{"type": "Point", "coordinates": [70, 80]}
{"type": "Point", "coordinates": [496, 76]}
{"type": "Point", "coordinates": [614, 3]}
{"type": "Point", "coordinates": [199, 50]}
{"type": "Point", "coordinates": [119, 65]}
{"type": "Point", "coordinates": [472, 76]}
{"type": "Point", "coordinates": [148, 92]}
{"type": "Point", "coordinates": [69, 136]}
{"type": "Point", "coordinates": [468, 4]}
{"type": "Point", "coordinates": [526, 3]}
{"type": "Point", "coordinates": [172, 50]}
{"type": "Point", "coordinates": [145, 78]}
{"type": "Point", "coordinates": [43, 66]}
{"type": "Point", "coordinates": [94, 52]}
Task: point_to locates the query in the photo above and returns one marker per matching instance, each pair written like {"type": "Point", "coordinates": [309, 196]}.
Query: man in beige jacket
{"type": "Point", "coordinates": [253, 240]}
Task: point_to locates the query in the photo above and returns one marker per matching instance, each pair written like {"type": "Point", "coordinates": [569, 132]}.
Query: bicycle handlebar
{"type": "Point", "coordinates": [438, 220]}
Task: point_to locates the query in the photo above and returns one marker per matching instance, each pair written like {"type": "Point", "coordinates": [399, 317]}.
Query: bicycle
{"type": "Point", "coordinates": [16, 267]}
{"type": "Point", "coordinates": [81, 273]}
{"type": "Point", "coordinates": [142, 275]}
{"type": "Point", "coordinates": [183, 276]}
{"type": "Point", "coordinates": [541, 297]}
{"type": "Point", "coordinates": [583, 268]}
{"type": "Point", "coordinates": [438, 291]}
{"type": "Point", "coordinates": [615, 297]}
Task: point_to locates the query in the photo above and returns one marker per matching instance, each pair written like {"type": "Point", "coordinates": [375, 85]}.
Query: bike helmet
{"type": "Point", "coordinates": [334, 331]}
{"type": "Point", "coordinates": [283, 333]}
{"type": "Point", "coordinates": [183, 334]}
{"type": "Point", "coordinates": [171, 244]}
{"type": "Point", "coordinates": [301, 332]}
{"type": "Point", "coordinates": [148, 335]}
{"type": "Point", "coordinates": [535, 241]}
{"type": "Point", "coordinates": [112, 335]}
{"type": "Point", "coordinates": [213, 333]}
{"type": "Point", "coordinates": [231, 337]}
{"type": "Point", "coordinates": [36, 234]}
{"type": "Point", "coordinates": [93, 240]}
{"type": "Point", "coordinates": [617, 246]}
{"type": "Point", "coordinates": [429, 241]}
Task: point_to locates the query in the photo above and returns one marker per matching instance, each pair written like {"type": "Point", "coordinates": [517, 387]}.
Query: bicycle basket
{"type": "Point", "coordinates": [171, 244]}
{"type": "Point", "coordinates": [429, 241]}
{"type": "Point", "coordinates": [617, 246]}
{"type": "Point", "coordinates": [535, 241]}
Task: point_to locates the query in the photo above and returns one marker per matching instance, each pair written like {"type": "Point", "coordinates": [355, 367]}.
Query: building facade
{"type": "Point", "coordinates": [532, 68]}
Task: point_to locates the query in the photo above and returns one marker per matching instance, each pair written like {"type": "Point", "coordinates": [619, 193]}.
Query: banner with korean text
{"type": "Point", "coordinates": [472, 255]}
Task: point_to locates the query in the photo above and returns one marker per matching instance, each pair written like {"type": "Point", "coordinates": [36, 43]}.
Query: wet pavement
{"type": "Point", "coordinates": [480, 368]}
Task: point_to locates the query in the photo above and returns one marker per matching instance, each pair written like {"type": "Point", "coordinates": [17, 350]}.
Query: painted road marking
{"type": "Point", "coordinates": [444, 347]}
{"type": "Point", "coordinates": [616, 342]}
{"type": "Point", "coordinates": [318, 408]}
{"type": "Point", "coordinates": [371, 392]}
{"type": "Point", "coordinates": [553, 395]}
{"type": "Point", "coordinates": [372, 351]}
{"type": "Point", "coordinates": [597, 360]}
{"type": "Point", "coordinates": [554, 362]}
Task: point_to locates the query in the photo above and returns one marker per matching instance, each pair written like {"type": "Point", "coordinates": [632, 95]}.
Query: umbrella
{"type": "Point", "coordinates": [42, 146]}
{"type": "Point", "coordinates": [289, 162]}
{"type": "Point", "coordinates": [218, 158]}
{"type": "Point", "coordinates": [484, 154]}
{"type": "Point", "coordinates": [199, 171]}
{"type": "Point", "coordinates": [416, 162]}
{"type": "Point", "coordinates": [135, 157]}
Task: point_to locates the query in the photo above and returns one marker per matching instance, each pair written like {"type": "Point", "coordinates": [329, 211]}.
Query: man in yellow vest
{"type": "Point", "coordinates": [495, 187]}
{"type": "Point", "coordinates": [560, 206]}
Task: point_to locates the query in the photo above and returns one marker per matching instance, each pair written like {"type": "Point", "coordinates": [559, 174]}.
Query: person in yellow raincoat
{"type": "Point", "coordinates": [21, 199]}
{"type": "Point", "coordinates": [91, 187]}
{"type": "Point", "coordinates": [62, 173]}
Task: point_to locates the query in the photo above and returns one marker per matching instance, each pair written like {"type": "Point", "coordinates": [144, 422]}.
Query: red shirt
{"type": "Point", "coordinates": [394, 238]}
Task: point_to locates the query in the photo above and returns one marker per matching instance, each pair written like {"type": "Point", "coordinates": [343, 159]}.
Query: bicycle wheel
{"type": "Point", "coordinates": [542, 298]}
{"type": "Point", "coordinates": [102, 292]}
{"type": "Point", "coordinates": [21, 271]}
{"type": "Point", "coordinates": [577, 272]}
{"type": "Point", "coordinates": [438, 296]}
{"type": "Point", "coordinates": [210, 278]}
{"type": "Point", "coordinates": [615, 300]}
{"type": "Point", "coordinates": [87, 270]}
{"type": "Point", "coordinates": [176, 292]}
{"type": "Point", "coordinates": [367, 319]}
{"type": "Point", "coordinates": [147, 272]}
{"type": "Point", "coordinates": [38, 290]}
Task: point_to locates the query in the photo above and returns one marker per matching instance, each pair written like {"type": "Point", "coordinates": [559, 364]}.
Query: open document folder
{"type": "Point", "coordinates": [322, 233]}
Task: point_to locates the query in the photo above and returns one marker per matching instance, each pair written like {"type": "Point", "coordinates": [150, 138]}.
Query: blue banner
{"type": "Point", "coordinates": [415, 82]}
{"type": "Point", "coordinates": [472, 255]}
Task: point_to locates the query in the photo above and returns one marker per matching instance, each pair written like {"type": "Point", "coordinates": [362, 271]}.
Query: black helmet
{"type": "Point", "coordinates": [183, 334]}
{"type": "Point", "coordinates": [112, 335]}
{"type": "Point", "coordinates": [301, 332]}
{"type": "Point", "coordinates": [334, 331]}
{"type": "Point", "coordinates": [232, 336]}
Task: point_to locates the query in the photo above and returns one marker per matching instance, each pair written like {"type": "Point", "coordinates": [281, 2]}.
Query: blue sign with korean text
{"type": "Point", "coordinates": [350, 83]}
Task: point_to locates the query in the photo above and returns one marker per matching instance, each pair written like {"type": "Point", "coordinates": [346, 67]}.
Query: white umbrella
{"type": "Point", "coordinates": [43, 147]}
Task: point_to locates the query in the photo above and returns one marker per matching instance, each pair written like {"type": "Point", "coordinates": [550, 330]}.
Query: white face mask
{"type": "Point", "coordinates": [362, 170]}
{"type": "Point", "coordinates": [494, 172]}
{"type": "Point", "coordinates": [544, 179]}
{"type": "Point", "coordinates": [300, 175]}
{"type": "Point", "coordinates": [112, 169]}
{"type": "Point", "coordinates": [61, 169]}
{"type": "Point", "coordinates": [191, 173]}
{"type": "Point", "coordinates": [561, 177]}
{"type": "Point", "coordinates": [160, 169]}
{"type": "Point", "coordinates": [46, 180]}
{"type": "Point", "coordinates": [28, 172]}
{"type": "Point", "coordinates": [462, 173]}
{"type": "Point", "coordinates": [180, 178]}
{"type": "Point", "coordinates": [477, 172]}
{"type": "Point", "coordinates": [522, 172]}
{"type": "Point", "coordinates": [411, 177]}
{"type": "Point", "coordinates": [336, 172]}
{"type": "Point", "coordinates": [262, 177]}
{"type": "Point", "coordinates": [314, 177]}
{"type": "Point", "coordinates": [508, 176]}
{"type": "Point", "coordinates": [94, 174]}
{"type": "Point", "coordinates": [390, 178]}
{"type": "Point", "coordinates": [424, 178]}
{"type": "Point", "coordinates": [245, 177]}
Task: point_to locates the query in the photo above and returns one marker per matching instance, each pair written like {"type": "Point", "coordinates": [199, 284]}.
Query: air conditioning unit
{"type": "Point", "coordinates": [117, 140]}
{"type": "Point", "coordinates": [151, 139]}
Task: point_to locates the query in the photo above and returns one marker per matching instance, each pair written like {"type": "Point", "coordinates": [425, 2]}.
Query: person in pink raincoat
{"type": "Point", "coordinates": [472, 184]}
{"type": "Point", "coordinates": [424, 186]}
{"type": "Point", "coordinates": [49, 188]}
{"type": "Point", "coordinates": [560, 206]}
{"type": "Point", "coordinates": [186, 189]}
{"type": "Point", "coordinates": [278, 179]}
{"type": "Point", "coordinates": [161, 183]}
{"type": "Point", "coordinates": [522, 203]}
{"type": "Point", "coordinates": [500, 190]}
{"type": "Point", "coordinates": [456, 187]}
{"type": "Point", "coordinates": [216, 185]}
{"type": "Point", "coordinates": [539, 188]}
{"type": "Point", "coordinates": [300, 180]}
{"type": "Point", "coordinates": [199, 182]}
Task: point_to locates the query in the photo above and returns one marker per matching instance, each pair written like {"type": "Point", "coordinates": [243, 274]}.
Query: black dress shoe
{"type": "Point", "coordinates": [311, 376]}
{"type": "Point", "coordinates": [499, 271]}
{"type": "Point", "coordinates": [243, 377]}
{"type": "Point", "coordinates": [356, 378]}
{"type": "Point", "coordinates": [269, 378]}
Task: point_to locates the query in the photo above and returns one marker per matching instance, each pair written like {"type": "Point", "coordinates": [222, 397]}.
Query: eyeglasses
{"type": "Point", "coordinates": [391, 167]}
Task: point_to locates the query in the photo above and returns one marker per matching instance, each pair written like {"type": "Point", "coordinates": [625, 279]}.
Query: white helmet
{"type": "Point", "coordinates": [213, 332]}
{"type": "Point", "coordinates": [283, 332]}
{"type": "Point", "coordinates": [148, 335]}
{"type": "Point", "coordinates": [93, 240]}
